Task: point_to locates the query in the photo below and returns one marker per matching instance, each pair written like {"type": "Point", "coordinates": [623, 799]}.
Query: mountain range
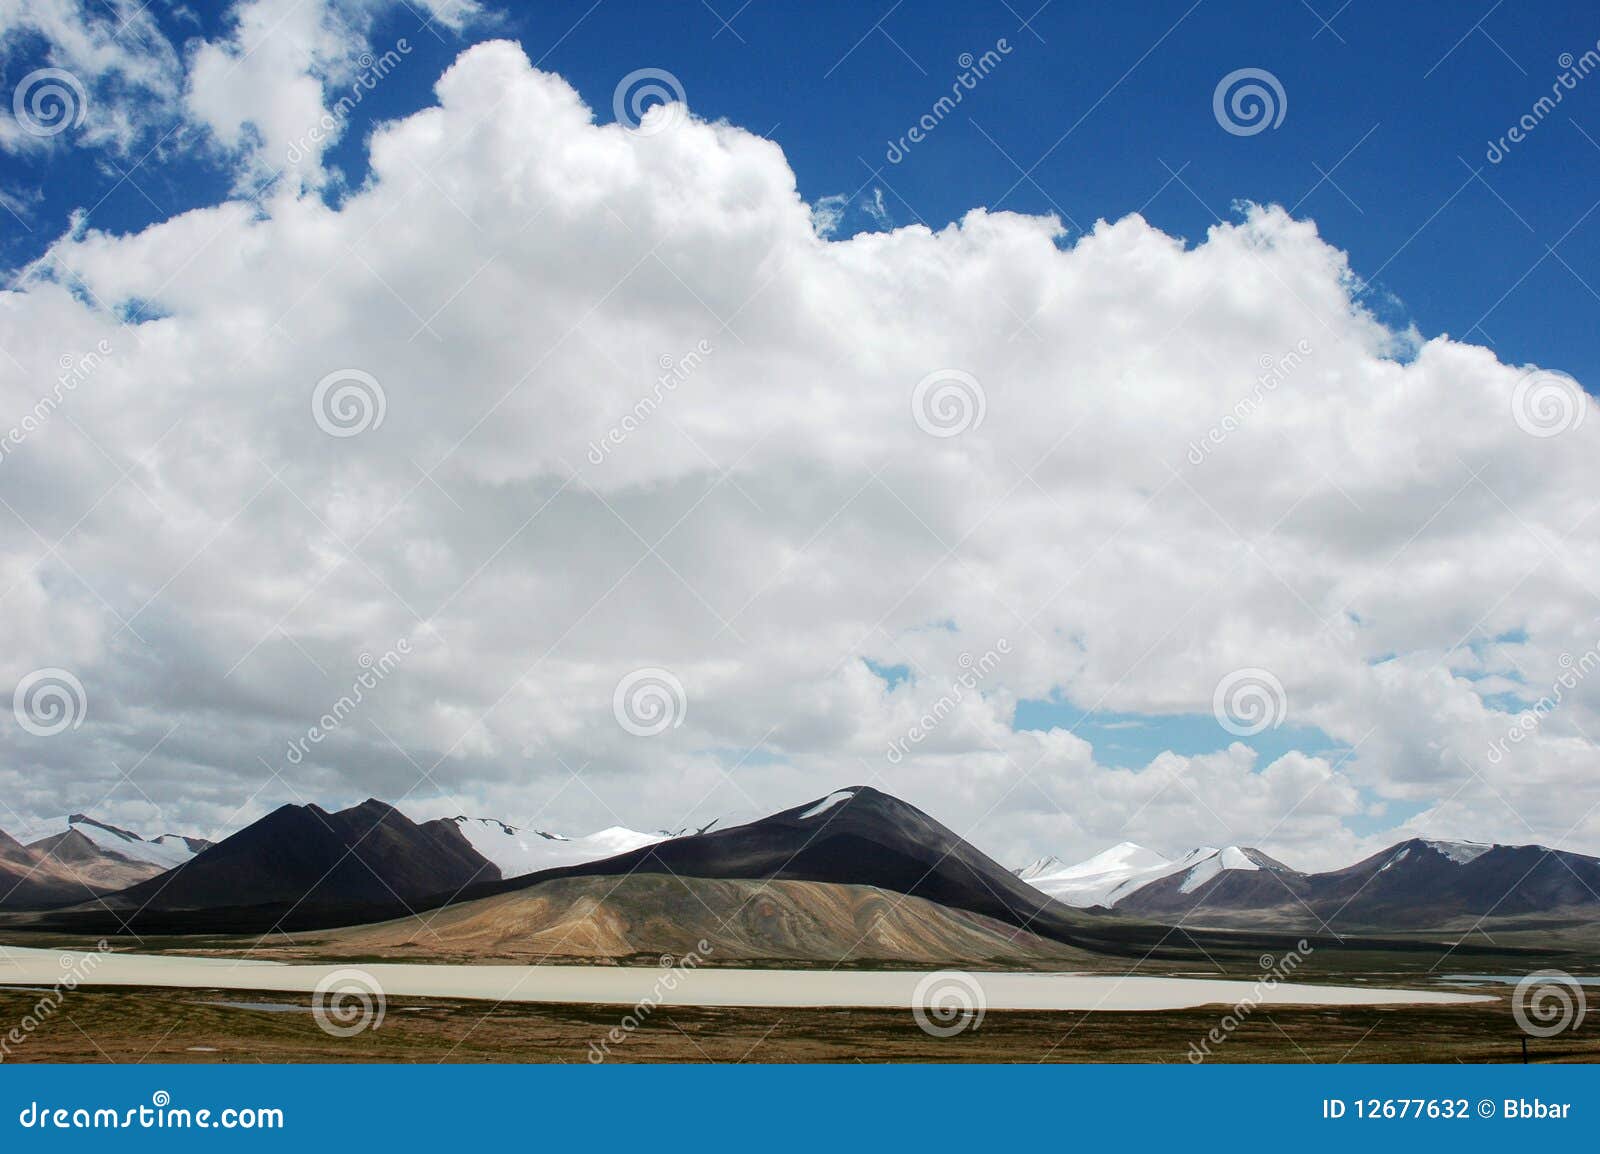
{"type": "Point", "coordinates": [75, 858]}
{"type": "Point", "coordinates": [857, 874]}
{"type": "Point", "coordinates": [1416, 884]}
{"type": "Point", "coordinates": [302, 859]}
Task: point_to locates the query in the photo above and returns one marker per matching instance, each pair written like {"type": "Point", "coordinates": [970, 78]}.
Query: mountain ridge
{"type": "Point", "coordinates": [1417, 883]}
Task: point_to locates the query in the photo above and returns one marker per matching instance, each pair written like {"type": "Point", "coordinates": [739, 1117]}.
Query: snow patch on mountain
{"type": "Point", "coordinates": [1396, 859]}
{"type": "Point", "coordinates": [828, 803]}
{"type": "Point", "coordinates": [525, 851]}
{"type": "Point", "coordinates": [1460, 852]}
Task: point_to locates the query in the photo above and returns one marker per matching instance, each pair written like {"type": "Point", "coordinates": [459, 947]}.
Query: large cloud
{"type": "Point", "coordinates": [636, 413]}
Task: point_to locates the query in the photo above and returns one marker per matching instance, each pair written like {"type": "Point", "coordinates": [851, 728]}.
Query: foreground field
{"type": "Point", "coordinates": [162, 1025]}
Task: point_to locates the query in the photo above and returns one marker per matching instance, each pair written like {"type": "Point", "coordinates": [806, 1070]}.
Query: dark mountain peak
{"type": "Point", "coordinates": [853, 836]}
{"type": "Point", "coordinates": [862, 802]}
{"type": "Point", "coordinates": [303, 861]}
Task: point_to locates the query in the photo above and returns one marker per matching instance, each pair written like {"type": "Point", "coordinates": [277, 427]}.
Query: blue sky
{"type": "Point", "coordinates": [1454, 540]}
{"type": "Point", "coordinates": [1390, 112]}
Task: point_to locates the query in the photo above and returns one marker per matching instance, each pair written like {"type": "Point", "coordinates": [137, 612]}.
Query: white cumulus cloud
{"type": "Point", "coordinates": [607, 401]}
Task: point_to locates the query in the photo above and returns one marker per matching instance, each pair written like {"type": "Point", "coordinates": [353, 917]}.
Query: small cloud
{"type": "Point", "coordinates": [20, 203]}
{"type": "Point", "coordinates": [876, 209]}
{"type": "Point", "coordinates": [828, 213]}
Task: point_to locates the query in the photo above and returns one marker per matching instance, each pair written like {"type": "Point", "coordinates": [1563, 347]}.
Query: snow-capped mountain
{"type": "Point", "coordinates": [71, 858]}
{"type": "Point", "coordinates": [165, 851]}
{"type": "Point", "coordinates": [1423, 882]}
{"type": "Point", "coordinates": [525, 851]}
{"type": "Point", "coordinates": [1114, 874]}
{"type": "Point", "coordinates": [1100, 880]}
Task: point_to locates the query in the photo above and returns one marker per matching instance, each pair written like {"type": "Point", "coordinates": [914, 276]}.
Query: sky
{"type": "Point", "coordinates": [1087, 424]}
